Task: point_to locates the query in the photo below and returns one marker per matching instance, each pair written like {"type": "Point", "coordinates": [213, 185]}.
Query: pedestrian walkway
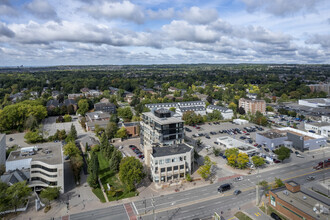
{"type": "Point", "coordinates": [228, 177]}
{"type": "Point", "coordinates": [103, 191]}
{"type": "Point", "coordinates": [129, 210]}
{"type": "Point", "coordinates": [256, 213]}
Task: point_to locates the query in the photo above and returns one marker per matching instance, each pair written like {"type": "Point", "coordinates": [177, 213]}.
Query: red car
{"type": "Point", "coordinates": [276, 161]}
{"type": "Point", "coordinates": [255, 145]}
{"type": "Point", "coordinates": [133, 148]}
{"type": "Point", "coordinates": [198, 127]}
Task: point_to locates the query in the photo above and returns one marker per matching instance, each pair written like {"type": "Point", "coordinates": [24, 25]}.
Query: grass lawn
{"type": "Point", "coordinates": [98, 192]}
{"type": "Point", "coordinates": [242, 216]}
{"type": "Point", "coordinates": [118, 190]}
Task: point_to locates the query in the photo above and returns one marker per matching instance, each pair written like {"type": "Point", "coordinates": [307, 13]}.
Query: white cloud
{"type": "Point", "coordinates": [161, 14]}
{"type": "Point", "coordinates": [197, 15]}
{"type": "Point", "coordinates": [282, 7]}
{"type": "Point", "coordinates": [6, 8]}
{"type": "Point", "coordinates": [183, 31]}
{"type": "Point", "coordinates": [116, 10]}
{"type": "Point", "coordinates": [5, 31]}
{"type": "Point", "coordinates": [42, 9]}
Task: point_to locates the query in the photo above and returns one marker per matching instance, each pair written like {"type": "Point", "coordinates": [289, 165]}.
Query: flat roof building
{"type": "Point", "coordinates": [272, 138]}
{"type": "Point", "coordinates": [171, 162]}
{"type": "Point", "coordinates": [45, 163]}
{"type": "Point", "coordinates": [252, 106]}
{"type": "Point", "coordinates": [229, 142]}
{"type": "Point", "coordinates": [296, 203]}
{"type": "Point", "coordinates": [160, 128]}
{"type": "Point", "coordinates": [225, 112]}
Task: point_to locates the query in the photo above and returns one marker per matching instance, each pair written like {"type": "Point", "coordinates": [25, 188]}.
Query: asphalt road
{"type": "Point", "coordinates": [113, 212]}
{"type": "Point", "coordinates": [204, 201]}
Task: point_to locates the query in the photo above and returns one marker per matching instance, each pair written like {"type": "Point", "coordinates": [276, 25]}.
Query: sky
{"type": "Point", "coordinates": [116, 32]}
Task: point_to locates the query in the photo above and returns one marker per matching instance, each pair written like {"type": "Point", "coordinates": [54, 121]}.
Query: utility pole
{"type": "Point", "coordinates": [323, 164]}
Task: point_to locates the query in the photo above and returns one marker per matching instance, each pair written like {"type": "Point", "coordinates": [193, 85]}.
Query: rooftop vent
{"type": "Point", "coordinates": [286, 192]}
{"type": "Point", "coordinates": [304, 197]}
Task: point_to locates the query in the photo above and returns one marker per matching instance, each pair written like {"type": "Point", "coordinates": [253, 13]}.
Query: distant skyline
{"type": "Point", "coordinates": [101, 32]}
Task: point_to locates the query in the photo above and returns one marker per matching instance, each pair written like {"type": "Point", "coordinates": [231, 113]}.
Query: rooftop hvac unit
{"type": "Point", "coordinates": [286, 192]}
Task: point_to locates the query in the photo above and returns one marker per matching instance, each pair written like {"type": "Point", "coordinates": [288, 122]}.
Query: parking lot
{"type": "Point", "coordinates": [50, 126]}
{"type": "Point", "coordinates": [123, 146]}
{"type": "Point", "coordinates": [286, 121]}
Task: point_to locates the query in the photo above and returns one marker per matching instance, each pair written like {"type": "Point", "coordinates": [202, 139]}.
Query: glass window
{"type": "Point", "coordinates": [175, 168]}
{"type": "Point", "coordinates": [156, 162]}
{"type": "Point", "coordinates": [162, 170]}
{"type": "Point", "coordinates": [161, 161]}
{"type": "Point", "coordinates": [181, 166]}
{"type": "Point", "coordinates": [168, 160]}
{"type": "Point", "coordinates": [169, 168]}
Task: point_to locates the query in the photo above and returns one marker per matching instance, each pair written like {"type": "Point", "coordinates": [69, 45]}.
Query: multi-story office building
{"type": "Point", "coordinates": [45, 164]}
{"type": "Point", "coordinates": [160, 128]}
{"type": "Point", "coordinates": [2, 149]}
{"type": "Point", "coordinates": [253, 106]}
{"type": "Point", "coordinates": [171, 162]}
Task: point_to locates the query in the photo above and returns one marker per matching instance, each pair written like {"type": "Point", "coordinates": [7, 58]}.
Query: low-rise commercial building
{"type": "Point", "coordinates": [271, 139]}
{"type": "Point", "coordinates": [226, 113]}
{"type": "Point", "coordinates": [297, 203]}
{"type": "Point", "coordinates": [317, 127]}
{"type": "Point", "coordinates": [229, 142]}
{"type": "Point", "coordinates": [105, 107]}
{"type": "Point", "coordinates": [45, 163]}
{"type": "Point", "coordinates": [132, 128]}
{"type": "Point", "coordinates": [171, 162]}
{"type": "Point", "coordinates": [315, 103]}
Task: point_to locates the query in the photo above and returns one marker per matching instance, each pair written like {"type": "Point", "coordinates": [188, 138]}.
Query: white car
{"type": "Point", "coordinates": [299, 155]}
{"type": "Point", "coordinates": [207, 147]}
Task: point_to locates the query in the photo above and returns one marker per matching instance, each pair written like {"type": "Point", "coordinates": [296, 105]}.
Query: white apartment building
{"type": "Point", "coordinates": [180, 107]}
{"type": "Point", "coordinates": [171, 162]}
{"type": "Point", "coordinates": [252, 106]}
{"type": "Point", "coordinates": [225, 112]}
{"type": "Point", "coordinates": [44, 162]}
{"type": "Point", "coordinates": [159, 128]}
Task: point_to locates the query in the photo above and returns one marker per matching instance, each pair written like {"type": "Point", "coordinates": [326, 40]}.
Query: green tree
{"type": "Point", "coordinates": [173, 109]}
{"type": "Point", "coordinates": [93, 169]}
{"type": "Point", "coordinates": [130, 172]}
{"type": "Point", "coordinates": [50, 193]}
{"type": "Point", "coordinates": [278, 182]}
{"type": "Point", "coordinates": [76, 162]}
{"type": "Point", "coordinates": [121, 133]}
{"type": "Point", "coordinates": [258, 161]}
{"type": "Point", "coordinates": [83, 106]}
{"type": "Point", "coordinates": [111, 129]}
{"type": "Point", "coordinates": [67, 118]}
{"type": "Point", "coordinates": [116, 157]}
{"type": "Point", "coordinates": [242, 160]}
{"type": "Point", "coordinates": [70, 149]}
{"type": "Point", "coordinates": [33, 137]}
{"type": "Point", "coordinates": [18, 193]}
{"type": "Point", "coordinates": [125, 113]}
{"type": "Point", "coordinates": [216, 151]}
{"type": "Point", "coordinates": [269, 109]}
{"type": "Point", "coordinates": [282, 153]}
{"type": "Point", "coordinates": [205, 170]}
{"type": "Point", "coordinates": [232, 106]}
{"type": "Point", "coordinates": [31, 123]}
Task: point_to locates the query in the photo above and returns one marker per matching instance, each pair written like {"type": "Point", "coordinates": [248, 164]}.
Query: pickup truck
{"type": "Point", "coordinates": [322, 164]}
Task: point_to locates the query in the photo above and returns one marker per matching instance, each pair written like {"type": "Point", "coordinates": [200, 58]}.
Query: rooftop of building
{"type": "Point", "coordinates": [319, 124]}
{"type": "Point", "coordinates": [234, 143]}
{"type": "Point", "coordinates": [97, 115]}
{"type": "Point", "coordinates": [272, 134]}
{"type": "Point", "coordinates": [105, 104]}
{"type": "Point", "coordinates": [15, 176]}
{"type": "Point", "coordinates": [100, 123]}
{"type": "Point", "coordinates": [170, 104]}
{"type": "Point", "coordinates": [219, 108]}
{"type": "Point", "coordinates": [171, 150]}
{"type": "Point", "coordinates": [252, 100]}
{"type": "Point", "coordinates": [317, 100]}
{"type": "Point", "coordinates": [163, 121]}
{"type": "Point", "coordinates": [304, 134]}
{"type": "Point", "coordinates": [304, 200]}
{"type": "Point", "coordinates": [50, 153]}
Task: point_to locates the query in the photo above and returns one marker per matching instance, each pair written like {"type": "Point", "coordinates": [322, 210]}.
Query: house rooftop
{"type": "Point", "coordinates": [50, 153]}
{"type": "Point", "coordinates": [171, 150]}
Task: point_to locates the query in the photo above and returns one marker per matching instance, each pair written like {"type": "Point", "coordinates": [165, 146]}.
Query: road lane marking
{"type": "Point", "coordinates": [257, 214]}
{"type": "Point", "coordinates": [224, 194]}
{"type": "Point", "coordinates": [137, 212]}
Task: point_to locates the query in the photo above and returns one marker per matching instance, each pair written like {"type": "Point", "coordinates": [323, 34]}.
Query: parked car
{"type": "Point", "coordinates": [237, 191]}
{"type": "Point", "coordinates": [296, 152]}
{"type": "Point", "coordinates": [266, 149]}
{"type": "Point", "coordinates": [274, 216]}
{"type": "Point", "coordinates": [299, 155]}
{"type": "Point", "coordinates": [310, 178]}
{"type": "Point", "coordinates": [276, 161]}
{"type": "Point", "coordinates": [131, 146]}
{"type": "Point", "coordinates": [208, 137]}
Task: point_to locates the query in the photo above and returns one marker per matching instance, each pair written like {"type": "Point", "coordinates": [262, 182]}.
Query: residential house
{"type": "Point", "coordinates": [105, 107]}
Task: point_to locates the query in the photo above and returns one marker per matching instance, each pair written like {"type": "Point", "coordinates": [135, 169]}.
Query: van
{"type": "Point", "coordinates": [224, 187]}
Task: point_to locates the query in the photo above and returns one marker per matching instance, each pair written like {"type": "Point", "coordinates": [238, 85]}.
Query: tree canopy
{"type": "Point", "coordinates": [282, 153]}
{"type": "Point", "coordinates": [131, 172]}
